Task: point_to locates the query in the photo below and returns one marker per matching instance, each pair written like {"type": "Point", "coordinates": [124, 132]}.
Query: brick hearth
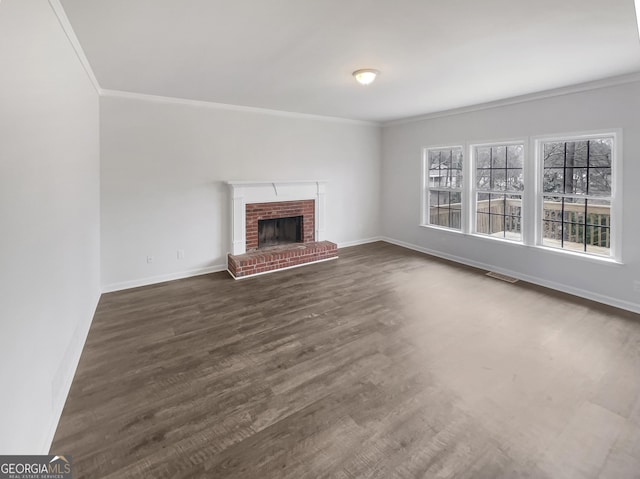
{"type": "Point", "coordinates": [278, 257]}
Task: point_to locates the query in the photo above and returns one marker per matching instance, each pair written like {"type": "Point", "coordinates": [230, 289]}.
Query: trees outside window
{"type": "Point", "coordinates": [576, 194]}
{"type": "Point", "coordinates": [499, 184]}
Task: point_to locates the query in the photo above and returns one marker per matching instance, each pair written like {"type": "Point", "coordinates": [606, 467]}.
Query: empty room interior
{"type": "Point", "coordinates": [321, 239]}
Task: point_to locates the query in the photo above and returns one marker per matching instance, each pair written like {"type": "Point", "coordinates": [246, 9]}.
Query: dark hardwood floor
{"type": "Point", "coordinates": [383, 364]}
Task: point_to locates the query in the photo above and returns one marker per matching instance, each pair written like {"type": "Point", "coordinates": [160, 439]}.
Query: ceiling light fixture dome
{"type": "Point", "coordinates": [365, 76]}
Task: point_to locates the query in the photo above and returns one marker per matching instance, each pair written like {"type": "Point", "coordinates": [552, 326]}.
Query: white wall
{"type": "Point", "coordinates": [163, 168]}
{"type": "Point", "coordinates": [49, 221]}
{"type": "Point", "coordinates": [601, 109]}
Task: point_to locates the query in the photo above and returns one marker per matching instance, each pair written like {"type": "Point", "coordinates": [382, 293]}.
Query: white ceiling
{"type": "Point", "coordinates": [298, 55]}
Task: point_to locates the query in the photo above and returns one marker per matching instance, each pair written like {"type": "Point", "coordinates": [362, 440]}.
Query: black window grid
{"type": "Point", "coordinates": [491, 169]}
{"type": "Point", "coordinates": [588, 167]}
{"type": "Point", "coordinates": [578, 229]}
{"type": "Point", "coordinates": [502, 218]}
{"type": "Point", "coordinates": [453, 215]}
{"type": "Point", "coordinates": [448, 167]}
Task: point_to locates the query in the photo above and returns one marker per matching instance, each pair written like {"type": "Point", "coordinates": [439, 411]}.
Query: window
{"type": "Point", "coordinates": [443, 187]}
{"type": "Point", "coordinates": [498, 187]}
{"type": "Point", "coordinates": [566, 196]}
{"type": "Point", "coordinates": [576, 193]}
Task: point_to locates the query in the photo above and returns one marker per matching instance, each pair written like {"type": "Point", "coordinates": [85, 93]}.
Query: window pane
{"type": "Point", "coordinates": [598, 229]}
{"type": "Point", "coordinates": [513, 229]}
{"type": "Point", "coordinates": [515, 179]}
{"type": "Point", "coordinates": [497, 204]}
{"type": "Point", "coordinates": [573, 236]}
{"type": "Point", "coordinates": [515, 156]}
{"type": "Point", "coordinates": [434, 178]}
{"type": "Point", "coordinates": [453, 179]}
{"type": "Point", "coordinates": [573, 211]}
{"type": "Point", "coordinates": [599, 213]}
{"type": "Point", "coordinates": [455, 220]}
{"type": "Point", "coordinates": [435, 215]}
{"type": "Point", "coordinates": [498, 157]}
{"type": "Point", "coordinates": [577, 224]}
{"type": "Point", "coordinates": [434, 198]}
{"type": "Point", "coordinates": [455, 199]}
{"type": "Point", "coordinates": [445, 209]}
{"type": "Point", "coordinates": [600, 152]}
{"type": "Point", "coordinates": [577, 153]}
{"type": "Point", "coordinates": [456, 159]}
{"type": "Point", "coordinates": [482, 204]}
{"type": "Point", "coordinates": [552, 222]}
{"type": "Point", "coordinates": [483, 157]}
{"type": "Point", "coordinates": [552, 209]}
{"type": "Point", "coordinates": [513, 205]}
{"type": "Point", "coordinates": [499, 167]}
{"type": "Point", "coordinates": [436, 160]}
{"type": "Point", "coordinates": [499, 180]}
{"type": "Point", "coordinates": [496, 225]}
{"type": "Point", "coordinates": [483, 179]}
{"type": "Point", "coordinates": [445, 168]}
{"type": "Point", "coordinates": [553, 180]}
{"type": "Point", "coordinates": [553, 155]}
{"type": "Point", "coordinates": [446, 217]}
{"type": "Point", "coordinates": [444, 178]}
{"type": "Point", "coordinates": [598, 240]}
{"type": "Point", "coordinates": [575, 181]}
{"type": "Point", "coordinates": [482, 223]}
{"type": "Point", "coordinates": [600, 181]}
{"type": "Point", "coordinates": [552, 234]}
{"type": "Point", "coordinates": [499, 215]}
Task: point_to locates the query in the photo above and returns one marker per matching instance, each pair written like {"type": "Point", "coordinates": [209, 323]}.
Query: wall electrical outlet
{"type": "Point", "coordinates": [180, 254]}
{"type": "Point", "coordinates": [149, 259]}
{"type": "Point", "coordinates": [636, 286]}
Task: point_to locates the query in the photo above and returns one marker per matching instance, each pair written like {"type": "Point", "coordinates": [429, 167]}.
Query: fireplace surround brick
{"type": "Point", "coordinates": [281, 209]}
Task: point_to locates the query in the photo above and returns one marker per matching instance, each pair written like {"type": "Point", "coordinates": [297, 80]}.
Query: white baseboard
{"type": "Point", "coordinates": [68, 368]}
{"type": "Point", "coordinates": [347, 244]}
{"type": "Point", "coordinates": [136, 283]}
{"type": "Point", "coordinates": [600, 298]}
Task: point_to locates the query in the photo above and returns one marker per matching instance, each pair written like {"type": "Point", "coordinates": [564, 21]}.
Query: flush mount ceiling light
{"type": "Point", "coordinates": [365, 76]}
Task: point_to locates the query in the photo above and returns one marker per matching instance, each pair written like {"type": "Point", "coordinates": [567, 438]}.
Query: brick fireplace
{"type": "Point", "coordinates": [282, 209]}
{"type": "Point", "coordinates": [293, 202]}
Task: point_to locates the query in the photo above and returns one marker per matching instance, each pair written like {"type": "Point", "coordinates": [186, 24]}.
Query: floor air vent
{"type": "Point", "coordinates": [503, 277]}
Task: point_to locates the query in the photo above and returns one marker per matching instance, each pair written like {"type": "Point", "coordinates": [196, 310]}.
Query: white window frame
{"type": "Point", "coordinates": [426, 189]}
{"type": "Point", "coordinates": [615, 229]}
{"type": "Point", "coordinates": [473, 203]}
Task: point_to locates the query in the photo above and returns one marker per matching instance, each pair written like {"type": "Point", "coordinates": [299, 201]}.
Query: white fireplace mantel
{"type": "Point", "coordinates": [246, 192]}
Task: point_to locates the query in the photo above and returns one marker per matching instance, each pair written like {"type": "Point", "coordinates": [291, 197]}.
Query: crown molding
{"type": "Point", "coordinates": [60, 14]}
{"type": "Point", "coordinates": [568, 90]}
{"type": "Point", "coordinates": [63, 20]}
{"type": "Point", "coordinates": [226, 106]}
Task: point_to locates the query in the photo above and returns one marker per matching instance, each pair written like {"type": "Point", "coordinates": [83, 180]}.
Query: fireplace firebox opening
{"type": "Point", "coordinates": [277, 231]}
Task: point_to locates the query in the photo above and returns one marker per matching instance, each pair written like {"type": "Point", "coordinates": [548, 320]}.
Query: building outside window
{"type": "Point", "coordinates": [443, 187]}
